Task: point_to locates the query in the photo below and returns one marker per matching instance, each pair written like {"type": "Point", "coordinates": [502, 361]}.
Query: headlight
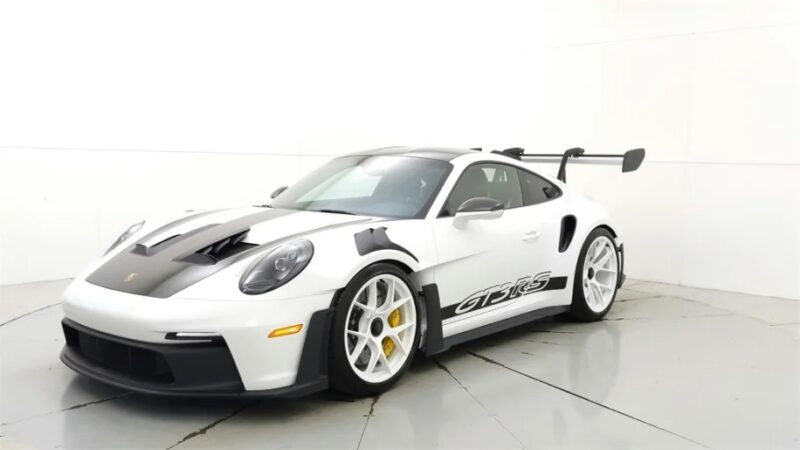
{"type": "Point", "coordinates": [277, 268]}
{"type": "Point", "coordinates": [124, 236]}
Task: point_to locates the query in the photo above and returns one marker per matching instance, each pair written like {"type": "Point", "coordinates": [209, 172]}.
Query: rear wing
{"type": "Point", "coordinates": [631, 160]}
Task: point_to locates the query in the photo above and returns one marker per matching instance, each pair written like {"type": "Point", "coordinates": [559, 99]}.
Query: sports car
{"type": "Point", "coordinates": [342, 278]}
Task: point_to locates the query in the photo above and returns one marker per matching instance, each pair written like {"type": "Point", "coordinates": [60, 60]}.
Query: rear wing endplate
{"type": "Point", "coordinates": [631, 160]}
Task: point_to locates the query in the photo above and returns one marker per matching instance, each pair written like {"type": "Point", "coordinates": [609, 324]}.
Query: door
{"type": "Point", "coordinates": [488, 265]}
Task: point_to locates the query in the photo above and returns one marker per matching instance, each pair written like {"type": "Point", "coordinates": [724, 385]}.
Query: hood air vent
{"type": "Point", "coordinates": [149, 249]}
{"type": "Point", "coordinates": [220, 250]}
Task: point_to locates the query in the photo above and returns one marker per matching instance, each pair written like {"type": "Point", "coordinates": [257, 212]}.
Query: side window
{"type": "Point", "coordinates": [496, 181]}
{"type": "Point", "coordinates": [536, 189]}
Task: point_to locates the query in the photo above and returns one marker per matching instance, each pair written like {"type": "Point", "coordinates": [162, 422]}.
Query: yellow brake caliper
{"type": "Point", "coordinates": [388, 344]}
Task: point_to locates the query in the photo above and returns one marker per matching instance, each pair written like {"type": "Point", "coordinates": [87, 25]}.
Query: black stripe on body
{"type": "Point", "coordinates": [161, 273]}
{"type": "Point", "coordinates": [484, 298]}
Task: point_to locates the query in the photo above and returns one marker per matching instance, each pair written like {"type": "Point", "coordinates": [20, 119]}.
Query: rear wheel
{"type": "Point", "coordinates": [596, 277]}
{"type": "Point", "coordinates": [375, 331]}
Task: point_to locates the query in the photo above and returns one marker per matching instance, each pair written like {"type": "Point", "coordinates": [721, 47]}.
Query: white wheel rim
{"type": "Point", "coordinates": [372, 323]}
{"type": "Point", "coordinates": [600, 274]}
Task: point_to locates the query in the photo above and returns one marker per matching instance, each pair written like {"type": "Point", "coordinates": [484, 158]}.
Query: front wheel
{"type": "Point", "coordinates": [596, 277]}
{"type": "Point", "coordinates": [375, 331]}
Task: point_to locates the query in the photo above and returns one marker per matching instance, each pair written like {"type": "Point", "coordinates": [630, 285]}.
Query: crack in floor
{"type": "Point", "coordinates": [648, 297]}
{"type": "Point", "coordinates": [548, 343]}
{"type": "Point", "coordinates": [369, 414]}
{"type": "Point", "coordinates": [205, 429]}
{"type": "Point", "coordinates": [441, 366]}
{"type": "Point", "coordinates": [28, 314]}
{"type": "Point", "coordinates": [717, 307]}
{"type": "Point", "coordinates": [732, 312]}
{"type": "Point", "coordinates": [96, 402]}
{"type": "Point", "coordinates": [69, 408]}
{"type": "Point", "coordinates": [682, 317]}
{"type": "Point", "coordinates": [533, 330]}
{"type": "Point", "coordinates": [596, 403]}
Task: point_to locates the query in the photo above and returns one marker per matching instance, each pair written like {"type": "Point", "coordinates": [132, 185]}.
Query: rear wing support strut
{"type": "Point", "coordinates": [631, 160]}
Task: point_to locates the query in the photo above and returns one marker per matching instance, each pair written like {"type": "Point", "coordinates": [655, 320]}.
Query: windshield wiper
{"type": "Point", "coordinates": [335, 211]}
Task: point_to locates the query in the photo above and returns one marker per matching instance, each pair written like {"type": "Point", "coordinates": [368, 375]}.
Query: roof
{"type": "Point", "coordinates": [440, 153]}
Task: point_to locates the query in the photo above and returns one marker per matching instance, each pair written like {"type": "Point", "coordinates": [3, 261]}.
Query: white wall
{"type": "Point", "coordinates": [111, 111]}
{"type": "Point", "coordinates": [712, 90]}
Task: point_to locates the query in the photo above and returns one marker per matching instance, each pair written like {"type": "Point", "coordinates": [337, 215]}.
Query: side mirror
{"type": "Point", "coordinates": [478, 208]}
{"type": "Point", "coordinates": [278, 191]}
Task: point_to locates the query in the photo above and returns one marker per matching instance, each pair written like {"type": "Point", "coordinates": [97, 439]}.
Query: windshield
{"type": "Point", "coordinates": [383, 186]}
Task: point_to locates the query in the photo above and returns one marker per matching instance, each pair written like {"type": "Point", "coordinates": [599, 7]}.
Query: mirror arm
{"type": "Point", "coordinates": [278, 191]}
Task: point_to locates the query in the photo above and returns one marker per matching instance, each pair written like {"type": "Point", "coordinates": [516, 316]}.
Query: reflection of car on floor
{"type": "Point", "coordinates": [345, 275]}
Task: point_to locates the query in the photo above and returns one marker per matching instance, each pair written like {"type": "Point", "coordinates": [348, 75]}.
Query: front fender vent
{"type": "Point", "coordinates": [224, 248]}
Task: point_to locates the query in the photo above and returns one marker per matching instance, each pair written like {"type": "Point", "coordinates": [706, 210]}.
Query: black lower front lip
{"type": "Point", "coordinates": [202, 369]}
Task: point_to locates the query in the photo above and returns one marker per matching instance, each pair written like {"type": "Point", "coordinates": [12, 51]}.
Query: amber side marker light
{"type": "Point", "coordinates": [286, 331]}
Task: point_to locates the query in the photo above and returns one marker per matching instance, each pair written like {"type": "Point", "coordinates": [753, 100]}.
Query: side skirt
{"type": "Point", "coordinates": [504, 324]}
{"type": "Point", "coordinates": [435, 342]}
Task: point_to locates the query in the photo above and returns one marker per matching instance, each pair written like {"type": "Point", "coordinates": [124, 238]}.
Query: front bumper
{"type": "Point", "coordinates": [263, 363]}
{"type": "Point", "coordinates": [187, 369]}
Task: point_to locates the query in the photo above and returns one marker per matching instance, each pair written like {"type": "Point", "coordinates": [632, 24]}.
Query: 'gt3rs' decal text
{"type": "Point", "coordinates": [505, 292]}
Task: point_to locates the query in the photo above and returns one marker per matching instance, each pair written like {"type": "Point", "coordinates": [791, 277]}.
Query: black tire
{"type": "Point", "coordinates": [580, 310]}
{"type": "Point", "coordinates": [342, 377]}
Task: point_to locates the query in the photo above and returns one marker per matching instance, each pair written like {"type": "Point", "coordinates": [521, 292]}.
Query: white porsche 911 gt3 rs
{"type": "Point", "coordinates": [344, 276]}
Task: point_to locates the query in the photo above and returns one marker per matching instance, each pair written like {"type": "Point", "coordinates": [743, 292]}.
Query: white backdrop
{"type": "Point", "coordinates": [112, 111]}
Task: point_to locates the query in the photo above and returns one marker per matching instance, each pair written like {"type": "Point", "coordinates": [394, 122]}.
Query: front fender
{"type": "Point", "coordinates": [383, 256]}
{"type": "Point", "coordinates": [342, 256]}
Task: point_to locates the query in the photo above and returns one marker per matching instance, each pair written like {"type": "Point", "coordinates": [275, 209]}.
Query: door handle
{"type": "Point", "coordinates": [531, 236]}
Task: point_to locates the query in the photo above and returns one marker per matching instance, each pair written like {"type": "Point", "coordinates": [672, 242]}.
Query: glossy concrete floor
{"type": "Point", "coordinates": [670, 367]}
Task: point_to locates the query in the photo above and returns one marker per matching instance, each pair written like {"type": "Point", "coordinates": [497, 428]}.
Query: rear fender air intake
{"type": "Point", "coordinates": [568, 224]}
